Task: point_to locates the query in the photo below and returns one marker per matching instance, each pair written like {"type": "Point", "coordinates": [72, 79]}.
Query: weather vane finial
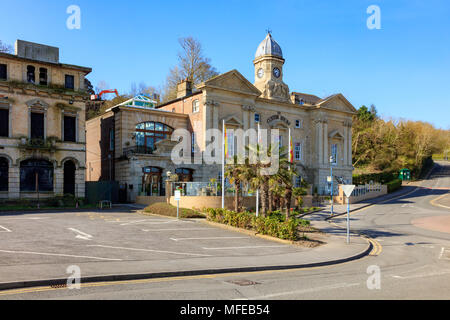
{"type": "Point", "coordinates": [269, 31]}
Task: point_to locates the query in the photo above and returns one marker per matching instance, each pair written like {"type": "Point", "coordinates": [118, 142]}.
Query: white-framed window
{"type": "Point", "coordinates": [298, 123]}
{"type": "Point", "coordinates": [334, 152]}
{"type": "Point", "coordinates": [195, 106]}
{"type": "Point", "coordinates": [230, 142]}
{"type": "Point", "coordinates": [298, 151]}
{"type": "Point", "coordinates": [257, 117]}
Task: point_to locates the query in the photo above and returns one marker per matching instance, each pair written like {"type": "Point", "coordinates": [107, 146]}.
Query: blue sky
{"type": "Point", "coordinates": [404, 68]}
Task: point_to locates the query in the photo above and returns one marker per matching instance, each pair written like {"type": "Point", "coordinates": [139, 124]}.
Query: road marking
{"type": "Point", "coordinates": [6, 229]}
{"type": "Point", "coordinates": [248, 247]}
{"type": "Point", "coordinates": [423, 275]}
{"type": "Point", "coordinates": [81, 234]}
{"type": "Point", "coordinates": [147, 221]}
{"type": "Point", "coordinates": [150, 250]}
{"type": "Point", "coordinates": [177, 229]}
{"type": "Point", "coordinates": [330, 287]}
{"type": "Point", "coordinates": [208, 238]}
{"type": "Point", "coordinates": [59, 255]}
{"type": "Point", "coordinates": [433, 202]}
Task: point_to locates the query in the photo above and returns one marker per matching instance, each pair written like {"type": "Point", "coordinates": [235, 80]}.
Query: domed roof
{"type": "Point", "coordinates": [269, 46]}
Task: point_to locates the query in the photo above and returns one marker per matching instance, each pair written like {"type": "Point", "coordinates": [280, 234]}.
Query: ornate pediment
{"type": "Point", "coordinates": [231, 81]}
{"type": "Point", "coordinates": [337, 102]}
{"type": "Point", "coordinates": [37, 103]}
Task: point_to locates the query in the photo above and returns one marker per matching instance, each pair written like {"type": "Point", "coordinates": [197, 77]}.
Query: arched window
{"type": "Point", "coordinates": [33, 169]}
{"type": "Point", "coordinates": [4, 174]}
{"type": "Point", "coordinates": [148, 133]}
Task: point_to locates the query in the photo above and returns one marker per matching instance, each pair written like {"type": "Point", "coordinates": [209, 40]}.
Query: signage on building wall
{"type": "Point", "coordinates": [279, 117]}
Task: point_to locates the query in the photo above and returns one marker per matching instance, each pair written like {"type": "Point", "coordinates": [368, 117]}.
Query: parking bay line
{"type": "Point", "coordinates": [150, 250]}
{"type": "Point", "coordinates": [247, 247]}
{"type": "Point", "coordinates": [4, 228]}
{"type": "Point", "coordinates": [59, 255]}
{"type": "Point", "coordinates": [208, 238]}
{"type": "Point", "coordinates": [178, 229]}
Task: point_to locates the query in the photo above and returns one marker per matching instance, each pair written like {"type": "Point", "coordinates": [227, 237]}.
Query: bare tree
{"type": "Point", "coordinates": [5, 48]}
{"type": "Point", "coordinates": [192, 65]}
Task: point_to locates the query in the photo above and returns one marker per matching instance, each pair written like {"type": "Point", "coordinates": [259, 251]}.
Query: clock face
{"type": "Point", "coordinates": [260, 73]}
{"type": "Point", "coordinates": [276, 72]}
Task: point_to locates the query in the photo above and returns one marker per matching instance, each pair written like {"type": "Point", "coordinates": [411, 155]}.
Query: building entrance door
{"type": "Point", "coordinates": [152, 181]}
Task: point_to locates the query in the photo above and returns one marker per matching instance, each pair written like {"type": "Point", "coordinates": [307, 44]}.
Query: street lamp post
{"type": "Point", "coordinates": [331, 169]}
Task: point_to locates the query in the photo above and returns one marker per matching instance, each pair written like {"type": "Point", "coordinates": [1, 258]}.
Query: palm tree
{"type": "Point", "coordinates": [236, 174]}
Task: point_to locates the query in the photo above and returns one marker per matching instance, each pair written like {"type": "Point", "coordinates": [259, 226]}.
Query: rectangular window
{"type": "Point", "coordinates": [280, 141]}
{"type": "Point", "coordinates": [230, 142]}
{"type": "Point", "coordinates": [70, 82]}
{"type": "Point", "coordinates": [37, 125]}
{"type": "Point", "coordinates": [195, 106]}
{"type": "Point", "coordinates": [298, 181]}
{"type": "Point", "coordinates": [193, 142]}
{"type": "Point", "coordinates": [4, 122]}
{"type": "Point", "coordinates": [3, 72]}
{"type": "Point", "coordinates": [70, 128]}
{"type": "Point", "coordinates": [30, 74]}
{"type": "Point", "coordinates": [334, 153]}
{"type": "Point", "coordinates": [298, 151]}
{"type": "Point", "coordinates": [111, 139]}
{"type": "Point", "coordinates": [257, 117]}
{"type": "Point", "coordinates": [298, 124]}
{"type": "Point", "coordinates": [43, 76]}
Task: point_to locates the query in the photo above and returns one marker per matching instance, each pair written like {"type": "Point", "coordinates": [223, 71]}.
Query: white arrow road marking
{"type": "Point", "coordinates": [5, 229]}
{"type": "Point", "coordinates": [150, 250]}
{"type": "Point", "coordinates": [208, 238]}
{"type": "Point", "coordinates": [58, 254]}
{"type": "Point", "coordinates": [81, 234]}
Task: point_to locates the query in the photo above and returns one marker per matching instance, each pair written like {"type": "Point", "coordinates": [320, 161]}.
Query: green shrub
{"type": "Point", "coordinates": [288, 229]}
{"type": "Point", "coordinates": [165, 209]}
{"type": "Point", "coordinates": [394, 185]}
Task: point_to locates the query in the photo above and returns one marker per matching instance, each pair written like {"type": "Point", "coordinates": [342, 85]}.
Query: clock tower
{"type": "Point", "coordinates": [269, 63]}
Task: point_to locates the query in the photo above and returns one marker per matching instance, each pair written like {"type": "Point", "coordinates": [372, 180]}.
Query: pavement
{"type": "Point", "coordinates": [121, 244]}
{"type": "Point", "coordinates": [409, 262]}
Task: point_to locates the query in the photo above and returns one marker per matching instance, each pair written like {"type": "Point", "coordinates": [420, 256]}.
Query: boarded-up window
{"type": "Point", "coordinates": [70, 82]}
{"type": "Point", "coordinates": [37, 125]}
{"type": "Point", "coordinates": [36, 169]}
{"type": "Point", "coordinates": [69, 128]}
{"type": "Point", "coordinates": [4, 122]}
{"type": "Point", "coordinates": [3, 72]}
{"type": "Point", "coordinates": [3, 174]}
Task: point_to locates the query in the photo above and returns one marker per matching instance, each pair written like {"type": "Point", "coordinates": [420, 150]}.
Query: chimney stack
{"type": "Point", "coordinates": [184, 88]}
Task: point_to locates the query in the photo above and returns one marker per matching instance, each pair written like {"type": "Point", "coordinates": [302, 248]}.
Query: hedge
{"type": "Point", "coordinates": [394, 185]}
{"type": "Point", "coordinates": [382, 177]}
{"type": "Point", "coordinates": [275, 224]}
{"type": "Point", "coordinates": [165, 209]}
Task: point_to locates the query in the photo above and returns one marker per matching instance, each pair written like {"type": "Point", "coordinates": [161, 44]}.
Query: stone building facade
{"type": "Point", "coordinates": [42, 120]}
{"type": "Point", "coordinates": [320, 127]}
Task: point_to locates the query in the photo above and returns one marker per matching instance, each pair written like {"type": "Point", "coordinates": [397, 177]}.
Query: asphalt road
{"type": "Point", "coordinates": [413, 263]}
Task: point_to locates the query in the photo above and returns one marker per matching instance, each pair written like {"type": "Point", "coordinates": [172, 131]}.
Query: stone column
{"type": "Point", "coordinates": [14, 182]}
{"type": "Point", "coordinates": [320, 141]}
{"type": "Point", "coordinates": [326, 159]}
{"type": "Point", "coordinates": [349, 148]}
{"type": "Point", "coordinates": [80, 183]}
{"type": "Point", "coordinates": [345, 145]}
{"type": "Point", "coordinates": [58, 184]}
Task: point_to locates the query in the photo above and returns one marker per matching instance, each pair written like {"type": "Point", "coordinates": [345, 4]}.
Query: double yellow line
{"type": "Point", "coordinates": [377, 247]}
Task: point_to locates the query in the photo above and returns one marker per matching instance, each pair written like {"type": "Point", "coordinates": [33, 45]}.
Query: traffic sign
{"type": "Point", "coordinates": [348, 189]}
{"type": "Point", "coordinates": [177, 195]}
